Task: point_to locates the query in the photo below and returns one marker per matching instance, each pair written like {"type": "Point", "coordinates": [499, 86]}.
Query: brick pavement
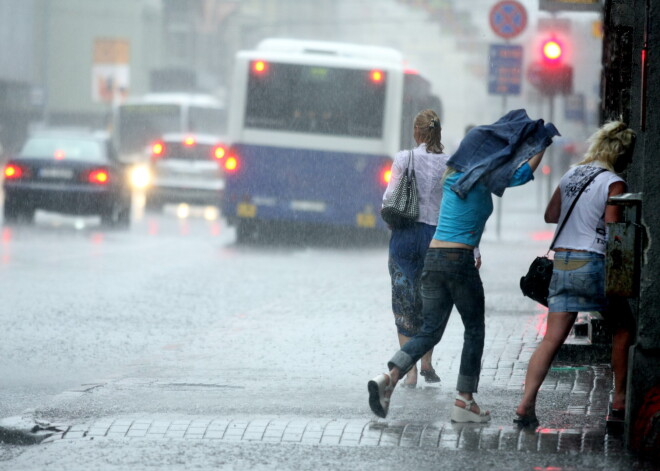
{"type": "Point", "coordinates": [575, 422]}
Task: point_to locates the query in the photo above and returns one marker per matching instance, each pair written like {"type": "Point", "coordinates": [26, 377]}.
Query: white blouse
{"type": "Point", "coordinates": [429, 169]}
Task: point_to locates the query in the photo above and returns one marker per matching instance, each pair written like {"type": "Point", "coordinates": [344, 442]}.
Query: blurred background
{"type": "Point", "coordinates": [66, 62]}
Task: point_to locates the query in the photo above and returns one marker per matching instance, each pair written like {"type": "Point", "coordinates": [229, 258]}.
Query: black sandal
{"type": "Point", "coordinates": [430, 376]}
{"type": "Point", "coordinates": [525, 421]}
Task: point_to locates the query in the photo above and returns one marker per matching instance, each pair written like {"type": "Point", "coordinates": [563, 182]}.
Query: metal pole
{"type": "Point", "coordinates": [551, 152]}
{"type": "Point", "coordinates": [498, 214]}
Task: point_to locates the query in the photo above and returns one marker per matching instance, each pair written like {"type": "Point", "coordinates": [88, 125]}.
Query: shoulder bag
{"type": "Point", "coordinates": [536, 283]}
{"type": "Point", "coordinates": [401, 209]}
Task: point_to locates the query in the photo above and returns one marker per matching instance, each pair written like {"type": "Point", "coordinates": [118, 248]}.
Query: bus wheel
{"type": "Point", "coordinates": [246, 231]}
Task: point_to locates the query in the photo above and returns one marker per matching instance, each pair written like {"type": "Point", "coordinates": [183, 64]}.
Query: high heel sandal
{"type": "Point", "coordinates": [527, 420]}
{"type": "Point", "coordinates": [465, 414]}
{"type": "Point", "coordinates": [377, 388]}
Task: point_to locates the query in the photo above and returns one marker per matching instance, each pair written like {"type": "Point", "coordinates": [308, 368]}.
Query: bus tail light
{"type": "Point", "coordinates": [232, 162]}
{"type": "Point", "coordinates": [386, 175]}
{"type": "Point", "coordinates": [189, 141]}
{"type": "Point", "coordinates": [377, 76]}
{"type": "Point", "coordinates": [260, 67]}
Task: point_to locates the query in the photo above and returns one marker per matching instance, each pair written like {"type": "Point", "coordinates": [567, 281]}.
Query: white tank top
{"type": "Point", "coordinates": [585, 228]}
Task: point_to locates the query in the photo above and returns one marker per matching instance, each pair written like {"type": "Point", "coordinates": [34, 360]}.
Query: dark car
{"type": "Point", "coordinates": [71, 173]}
{"type": "Point", "coordinates": [186, 169]}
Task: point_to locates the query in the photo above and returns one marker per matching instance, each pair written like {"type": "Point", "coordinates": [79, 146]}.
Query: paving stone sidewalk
{"type": "Point", "coordinates": [574, 422]}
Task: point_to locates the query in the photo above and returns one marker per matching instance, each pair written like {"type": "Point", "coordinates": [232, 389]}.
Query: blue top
{"type": "Point", "coordinates": [490, 154]}
{"type": "Point", "coordinates": [463, 219]}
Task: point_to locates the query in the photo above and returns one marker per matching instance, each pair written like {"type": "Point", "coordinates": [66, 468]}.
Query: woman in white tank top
{"type": "Point", "coordinates": [578, 278]}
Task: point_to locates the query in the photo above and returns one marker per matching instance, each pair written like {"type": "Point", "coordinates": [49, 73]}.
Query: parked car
{"type": "Point", "coordinates": [67, 172]}
{"type": "Point", "coordinates": [186, 169]}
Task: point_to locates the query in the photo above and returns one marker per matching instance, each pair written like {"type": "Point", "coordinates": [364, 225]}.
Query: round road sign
{"type": "Point", "coordinates": [508, 18]}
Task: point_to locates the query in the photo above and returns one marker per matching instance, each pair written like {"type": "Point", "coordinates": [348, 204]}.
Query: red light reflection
{"type": "Point", "coordinates": [542, 235]}
{"type": "Point", "coordinates": [215, 229]}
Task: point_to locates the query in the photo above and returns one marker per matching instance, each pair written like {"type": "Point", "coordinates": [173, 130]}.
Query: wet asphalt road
{"type": "Point", "coordinates": [174, 320]}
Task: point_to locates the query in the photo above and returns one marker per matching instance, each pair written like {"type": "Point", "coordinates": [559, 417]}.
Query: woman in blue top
{"type": "Point", "coordinates": [450, 276]}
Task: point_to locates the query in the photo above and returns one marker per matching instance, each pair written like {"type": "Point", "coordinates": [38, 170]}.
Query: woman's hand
{"type": "Point", "coordinates": [477, 262]}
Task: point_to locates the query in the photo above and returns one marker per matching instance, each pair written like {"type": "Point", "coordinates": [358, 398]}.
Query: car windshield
{"type": "Point", "coordinates": [64, 148]}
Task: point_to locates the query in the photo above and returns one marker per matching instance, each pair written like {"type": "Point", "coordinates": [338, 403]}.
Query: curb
{"type": "Point", "coordinates": [20, 430]}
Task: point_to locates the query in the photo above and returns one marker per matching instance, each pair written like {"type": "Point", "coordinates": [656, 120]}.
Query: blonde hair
{"type": "Point", "coordinates": [428, 128]}
{"type": "Point", "coordinates": [612, 140]}
{"type": "Point", "coordinates": [449, 171]}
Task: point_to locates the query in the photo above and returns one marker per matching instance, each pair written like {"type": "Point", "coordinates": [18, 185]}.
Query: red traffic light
{"type": "Point", "coordinates": [552, 51]}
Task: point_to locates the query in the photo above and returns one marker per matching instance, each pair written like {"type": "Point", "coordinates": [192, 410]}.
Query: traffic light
{"type": "Point", "coordinates": [550, 74]}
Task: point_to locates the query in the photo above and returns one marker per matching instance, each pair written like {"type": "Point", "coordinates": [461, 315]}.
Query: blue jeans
{"type": "Point", "coordinates": [578, 282]}
{"type": "Point", "coordinates": [449, 278]}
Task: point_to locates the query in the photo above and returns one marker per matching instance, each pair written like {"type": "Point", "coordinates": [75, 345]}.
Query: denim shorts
{"type": "Point", "coordinates": [578, 282]}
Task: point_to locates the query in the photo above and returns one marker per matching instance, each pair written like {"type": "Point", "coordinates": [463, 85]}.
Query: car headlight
{"type": "Point", "coordinates": [140, 176]}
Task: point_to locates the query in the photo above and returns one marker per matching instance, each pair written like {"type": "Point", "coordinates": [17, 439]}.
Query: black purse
{"type": "Point", "coordinates": [401, 209]}
{"type": "Point", "coordinates": [536, 283]}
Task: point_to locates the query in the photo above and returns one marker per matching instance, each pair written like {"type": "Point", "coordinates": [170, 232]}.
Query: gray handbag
{"type": "Point", "coordinates": [401, 209]}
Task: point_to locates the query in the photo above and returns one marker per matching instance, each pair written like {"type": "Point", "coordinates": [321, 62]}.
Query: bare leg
{"type": "Point", "coordinates": [559, 326]}
{"type": "Point", "coordinates": [620, 346]}
{"type": "Point", "coordinates": [427, 361]}
{"type": "Point", "coordinates": [411, 377]}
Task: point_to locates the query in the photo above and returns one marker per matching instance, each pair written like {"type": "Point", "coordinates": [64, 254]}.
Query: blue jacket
{"type": "Point", "coordinates": [493, 152]}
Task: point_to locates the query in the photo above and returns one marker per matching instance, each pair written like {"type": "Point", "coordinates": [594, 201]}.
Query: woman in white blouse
{"type": "Point", "coordinates": [408, 245]}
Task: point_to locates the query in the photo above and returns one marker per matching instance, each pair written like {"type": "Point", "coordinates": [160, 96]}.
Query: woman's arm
{"type": "Point", "coordinates": [525, 172]}
{"type": "Point", "coordinates": [614, 213]}
{"type": "Point", "coordinates": [536, 160]}
{"type": "Point", "coordinates": [553, 210]}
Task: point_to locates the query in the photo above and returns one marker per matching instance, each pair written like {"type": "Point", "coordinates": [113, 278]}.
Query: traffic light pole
{"type": "Point", "coordinates": [550, 158]}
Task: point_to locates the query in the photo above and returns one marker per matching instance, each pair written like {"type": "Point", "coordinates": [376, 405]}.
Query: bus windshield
{"type": "Point", "coordinates": [141, 123]}
{"type": "Point", "coordinates": [316, 99]}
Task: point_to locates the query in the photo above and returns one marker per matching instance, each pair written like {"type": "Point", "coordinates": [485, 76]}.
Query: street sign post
{"type": "Point", "coordinates": [505, 69]}
{"type": "Point", "coordinates": [508, 19]}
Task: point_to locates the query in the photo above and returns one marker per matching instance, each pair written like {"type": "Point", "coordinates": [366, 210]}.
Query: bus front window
{"type": "Point", "coordinates": [141, 124]}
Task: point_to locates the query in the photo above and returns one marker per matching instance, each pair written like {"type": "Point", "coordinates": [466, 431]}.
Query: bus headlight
{"type": "Point", "coordinates": [140, 176]}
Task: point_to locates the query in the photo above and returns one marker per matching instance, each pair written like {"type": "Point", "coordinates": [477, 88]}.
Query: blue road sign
{"type": "Point", "coordinates": [505, 69]}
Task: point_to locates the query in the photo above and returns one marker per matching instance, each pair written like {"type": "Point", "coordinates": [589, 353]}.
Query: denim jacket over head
{"type": "Point", "coordinates": [492, 153]}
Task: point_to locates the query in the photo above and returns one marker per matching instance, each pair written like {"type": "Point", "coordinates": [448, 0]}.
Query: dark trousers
{"type": "Point", "coordinates": [449, 279]}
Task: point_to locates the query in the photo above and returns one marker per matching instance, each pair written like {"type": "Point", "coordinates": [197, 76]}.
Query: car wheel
{"type": "Point", "coordinates": [117, 215]}
{"type": "Point", "coordinates": [124, 216]}
{"type": "Point", "coordinates": [14, 213]}
{"type": "Point", "coordinates": [9, 212]}
{"type": "Point", "coordinates": [246, 231]}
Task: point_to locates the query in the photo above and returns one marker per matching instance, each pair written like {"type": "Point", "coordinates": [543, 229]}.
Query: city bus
{"type": "Point", "coordinates": [313, 128]}
{"type": "Point", "coordinates": [139, 121]}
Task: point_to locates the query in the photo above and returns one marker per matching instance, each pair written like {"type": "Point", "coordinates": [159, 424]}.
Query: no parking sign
{"type": "Point", "coordinates": [508, 19]}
